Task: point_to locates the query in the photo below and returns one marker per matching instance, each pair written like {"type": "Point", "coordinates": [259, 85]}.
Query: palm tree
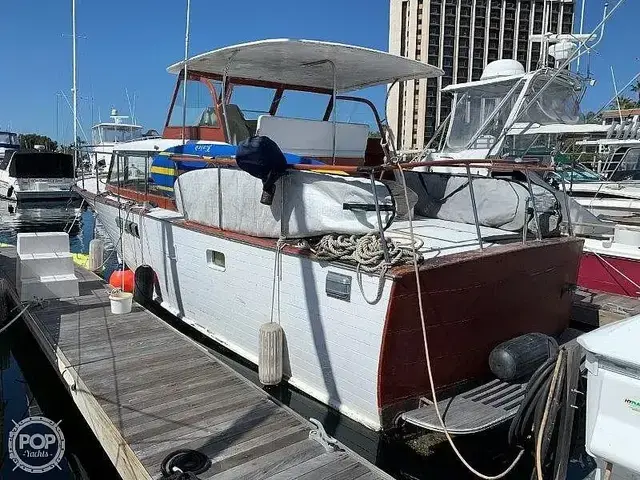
{"type": "Point", "coordinates": [591, 117]}
{"type": "Point", "coordinates": [623, 103]}
{"type": "Point", "coordinates": [636, 89]}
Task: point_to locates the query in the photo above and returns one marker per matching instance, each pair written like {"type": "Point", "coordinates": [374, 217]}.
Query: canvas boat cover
{"type": "Point", "coordinates": [305, 204]}
{"type": "Point", "coordinates": [500, 203]}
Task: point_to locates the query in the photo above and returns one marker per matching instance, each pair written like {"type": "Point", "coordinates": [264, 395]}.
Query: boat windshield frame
{"type": "Point", "coordinates": [99, 137]}
{"type": "Point", "coordinates": [9, 140]}
{"type": "Point", "coordinates": [217, 131]}
{"type": "Point", "coordinates": [575, 173]}
{"type": "Point", "coordinates": [514, 94]}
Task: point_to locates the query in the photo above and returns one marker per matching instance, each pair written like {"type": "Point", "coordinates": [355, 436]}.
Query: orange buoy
{"type": "Point", "coordinates": [122, 279]}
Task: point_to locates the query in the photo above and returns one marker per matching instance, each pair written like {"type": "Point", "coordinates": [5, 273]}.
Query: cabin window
{"type": "Point", "coordinates": [558, 103]}
{"type": "Point", "coordinates": [353, 111]}
{"type": "Point", "coordinates": [200, 109]}
{"type": "Point", "coordinates": [631, 160]}
{"type": "Point", "coordinates": [130, 171]}
{"type": "Point", "coordinates": [216, 260]}
{"type": "Point", "coordinates": [475, 106]}
{"type": "Point", "coordinates": [252, 101]}
{"type": "Point", "coordinates": [7, 138]}
{"type": "Point", "coordinates": [305, 105]}
{"type": "Point", "coordinates": [115, 133]}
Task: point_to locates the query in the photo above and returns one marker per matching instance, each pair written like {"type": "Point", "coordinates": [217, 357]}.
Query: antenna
{"type": "Point", "coordinates": [581, 29]}
{"type": "Point", "coordinates": [126, 92]}
{"type": "Point", "coordinates": [133, 112]}
{"type": "Point", "coordinates": [75, 85]}
{"type": "Point", "coordinates": [184, 80]}
{"type": "Point", "coordinates": [611, 100]}
{"type": "Point", "coordinates": [615, 89]}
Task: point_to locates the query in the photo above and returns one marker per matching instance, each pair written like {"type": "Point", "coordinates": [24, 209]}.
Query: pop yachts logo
{"type": "Point", "coordinates": [36, 444]}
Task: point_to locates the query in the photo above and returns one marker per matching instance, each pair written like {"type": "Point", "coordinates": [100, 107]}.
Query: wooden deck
{"type": "Point", "coordinates": [146, 390]}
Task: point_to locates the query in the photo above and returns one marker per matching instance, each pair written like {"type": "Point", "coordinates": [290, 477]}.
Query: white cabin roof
{"type": "Point", "coordinates": [605, 142]}
{"type": "Point", "coordinates": [304, 63]}
{"type": "Point", "coordinates": [557, 128]}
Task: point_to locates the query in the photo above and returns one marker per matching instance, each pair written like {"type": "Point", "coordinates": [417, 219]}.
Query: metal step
{"type": "Point", "coordinates": [473, 411]}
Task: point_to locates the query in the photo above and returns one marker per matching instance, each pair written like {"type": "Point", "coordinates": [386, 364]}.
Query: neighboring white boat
{"type": "Point", "coordinates": [613, 191]}
{"type": "Point", "coordinates": [352, 336]}
{"type": "Point", "coordinates": [105, 136]}
{"type": "Point", "coordinates": [37, 175]}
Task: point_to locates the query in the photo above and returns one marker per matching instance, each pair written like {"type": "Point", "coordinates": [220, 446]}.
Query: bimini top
{"type": "Point", "coordinates": [305, 63]}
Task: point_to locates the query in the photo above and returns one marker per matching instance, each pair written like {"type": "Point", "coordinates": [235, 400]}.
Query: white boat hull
{"type": "Point", "coordinates": [332, 346]}
{"type": "Point", "coordinates": [37, 189]}
{"type": "Point", "coordinates": [611, 207]}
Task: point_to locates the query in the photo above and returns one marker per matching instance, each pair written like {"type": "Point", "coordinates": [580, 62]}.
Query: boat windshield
{"type": "Point", "coordinates": [575, 173]}
{"type": "Point", "coordinates": [476, 106]}
{"type": "Point", "coordinates": [7, 138]}
{"type": "Point", "coordinates": [200, 109]}
{"type": "Point", "coordinates": [631, 160]}
{"type": "Point", "coordinates": [558, 103]}
{"type": "Point", "coordinates": [115, 133]}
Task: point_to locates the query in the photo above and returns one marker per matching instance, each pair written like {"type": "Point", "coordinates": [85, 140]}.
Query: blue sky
{"type": "Point", "coordinates": [129, 44]}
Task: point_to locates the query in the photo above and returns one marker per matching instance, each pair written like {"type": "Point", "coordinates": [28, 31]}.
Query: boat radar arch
{"type": "Point", "coordinates": [502, 68]}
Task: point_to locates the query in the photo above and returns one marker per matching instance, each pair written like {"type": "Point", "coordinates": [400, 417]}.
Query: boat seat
{"type": "Point", "coordinates": [313, 138]}
{"type": "Point", "coordinates": [238, 128]}
{"type": "Point", "coordinates": [473, 411]}
{"type": "Point", "coordinates": [208, 118]}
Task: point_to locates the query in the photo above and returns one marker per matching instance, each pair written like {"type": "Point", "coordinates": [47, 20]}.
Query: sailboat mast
{"type": "Point", "coordinates": [75, 86]}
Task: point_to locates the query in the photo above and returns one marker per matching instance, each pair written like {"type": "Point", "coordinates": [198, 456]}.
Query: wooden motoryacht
{"type": "Point", "coordinates": [232, 250]}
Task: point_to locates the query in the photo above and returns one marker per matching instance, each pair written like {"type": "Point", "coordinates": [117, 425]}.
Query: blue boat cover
{"type": "Point", "coordinates": [163, 168]}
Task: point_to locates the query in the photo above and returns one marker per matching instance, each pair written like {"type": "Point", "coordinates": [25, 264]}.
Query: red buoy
{"type": "Point", "coordinates": [122, 279]}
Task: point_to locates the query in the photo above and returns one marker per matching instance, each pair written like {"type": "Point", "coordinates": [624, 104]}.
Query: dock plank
{"type": "Point", "coordinates": [146, 390]}
{"type": "Point", "coordinates": [596, 309]}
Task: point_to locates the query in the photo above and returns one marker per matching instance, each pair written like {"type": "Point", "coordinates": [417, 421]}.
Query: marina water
{"type": "Point", "coordinates": [28, 384]}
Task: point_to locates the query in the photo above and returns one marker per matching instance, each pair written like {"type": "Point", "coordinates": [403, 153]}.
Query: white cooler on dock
{"type": "Point", "coordinates": [45, 266]}
{"type": "Point", "coordinates": [613, 397]}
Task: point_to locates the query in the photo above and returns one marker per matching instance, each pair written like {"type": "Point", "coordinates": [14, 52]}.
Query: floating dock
{"type": "Point", "coordinates": [592, 309]}
{"type": "Point", "coordinates": [146, 390]}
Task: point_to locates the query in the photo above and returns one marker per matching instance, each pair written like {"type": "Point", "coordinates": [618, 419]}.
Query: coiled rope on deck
{"type": "Point", "coordinates": [367, 252]}
{"type": "Point", "coordinates": [184, 464]}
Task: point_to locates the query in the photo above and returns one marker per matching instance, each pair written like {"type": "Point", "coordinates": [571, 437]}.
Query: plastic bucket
{"type": "Point", "coordinates": [121, 302]}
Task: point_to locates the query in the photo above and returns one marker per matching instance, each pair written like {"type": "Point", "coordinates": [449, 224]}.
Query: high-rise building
{"type": "Point", "coordinates": [460, 37]}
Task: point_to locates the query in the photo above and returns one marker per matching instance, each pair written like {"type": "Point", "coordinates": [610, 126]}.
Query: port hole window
{"type": "Point", "coordinates": [216, 260]}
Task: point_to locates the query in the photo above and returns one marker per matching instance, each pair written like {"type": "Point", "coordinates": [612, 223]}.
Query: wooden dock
{"type": "Point", "coordinates": [146, 390]}
{"type": "Point", "coordinates": [592, 309]}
